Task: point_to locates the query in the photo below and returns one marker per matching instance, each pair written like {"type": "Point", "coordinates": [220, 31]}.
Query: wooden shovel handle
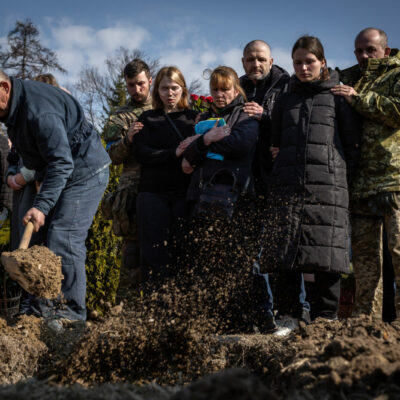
{"type": "Point", "coordinates": [26, 237]}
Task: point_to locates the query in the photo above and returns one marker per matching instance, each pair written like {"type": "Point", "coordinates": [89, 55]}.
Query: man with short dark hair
{"type": "Point", "coordinates": [121, 126]}
{"type": "Point", "coordinates": [372, 88]}
{"type": "Point", "coordinates": [48, 128]}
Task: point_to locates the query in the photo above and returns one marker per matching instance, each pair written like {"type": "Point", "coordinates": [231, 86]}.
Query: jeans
{"type": "Point", "coordinates": [69, 223]}
{"type": "Point", "coordinates": [284, 282]}
{"type": "Point", "coordinates": [263, 298]}
{"type": "Point", "coordinates": [290, 293]}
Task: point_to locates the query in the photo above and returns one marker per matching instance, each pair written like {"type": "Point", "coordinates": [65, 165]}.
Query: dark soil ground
{"type": "Point", "coordinates": [128, 356]}
{"type": "Point", "coordinates": [180, 342]}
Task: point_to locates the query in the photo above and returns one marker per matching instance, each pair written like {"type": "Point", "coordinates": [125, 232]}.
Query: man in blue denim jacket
{"type": "Point", "coordinates": [49, 130]}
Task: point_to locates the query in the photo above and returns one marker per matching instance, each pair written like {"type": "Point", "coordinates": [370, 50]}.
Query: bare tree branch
{"type": "Point", "coordinates": [96, 90]}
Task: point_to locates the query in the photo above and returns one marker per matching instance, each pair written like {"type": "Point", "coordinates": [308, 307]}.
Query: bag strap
{"type": "Point", "coordinates": [246, 186]}
{"type": "Point", "coordinates": [168, 118]}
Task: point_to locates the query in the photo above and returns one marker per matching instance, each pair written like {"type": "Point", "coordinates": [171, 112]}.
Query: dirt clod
{"type": "Point", "coordinates": [39, 269]}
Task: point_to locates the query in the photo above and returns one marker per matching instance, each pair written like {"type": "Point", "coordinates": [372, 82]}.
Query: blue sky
{"type": "Point", "coordinates": [197, 35]}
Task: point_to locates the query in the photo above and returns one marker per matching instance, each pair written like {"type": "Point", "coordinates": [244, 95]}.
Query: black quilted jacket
{"type": "Point", "coordinates": [318, 135]}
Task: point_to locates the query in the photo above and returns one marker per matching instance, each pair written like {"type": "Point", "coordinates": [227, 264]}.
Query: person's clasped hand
{"type": "Point", "coordinates": [186, 167]}
{"type": "Point", "coordinates": [12, 183]}
{"type": "Point", "coordinates": [274, 151]}
{"type": "Point", "coordinates": [183, 145]}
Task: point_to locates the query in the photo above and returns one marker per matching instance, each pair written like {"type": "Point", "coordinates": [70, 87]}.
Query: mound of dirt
{"type": "Point", "coordinates": [37, 270]}
{"type": "Point", "coordinates": [20, 349]}
{"type": "Point", "coordinates": [166, 339]}
{"type": "Point", "coordinates": [324, 360]}
{"type": "Point", "coordinates": [196, 324]}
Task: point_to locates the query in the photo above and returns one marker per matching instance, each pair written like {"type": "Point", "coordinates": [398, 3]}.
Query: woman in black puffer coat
{"type": "Point", "coordinates": [315, 139]}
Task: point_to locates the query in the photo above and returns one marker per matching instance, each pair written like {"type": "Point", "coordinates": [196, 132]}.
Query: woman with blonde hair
{"type": "Point", "coordinates": [233, 142]}
{"type": "Point", "coordinates": [220, 191]}
{"type": "Point", "coordinates": [158, 146]}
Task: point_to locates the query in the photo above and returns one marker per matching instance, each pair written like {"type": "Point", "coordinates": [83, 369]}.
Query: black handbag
{"type": "Point", "coordinates": [216, 199]}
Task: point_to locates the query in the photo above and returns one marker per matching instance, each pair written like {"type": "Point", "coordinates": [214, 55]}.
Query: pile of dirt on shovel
{"type": "Point", "coordinates": [41, 270]}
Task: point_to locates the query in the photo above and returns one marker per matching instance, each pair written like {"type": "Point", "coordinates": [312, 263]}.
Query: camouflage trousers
{"type": "Point", "coordinates": [130, 263]}
{"type": "Point", "coordinates": [370, 219]}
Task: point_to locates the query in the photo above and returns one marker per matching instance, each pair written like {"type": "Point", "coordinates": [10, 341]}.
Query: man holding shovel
{"type": "Point", "coordinates": [49, 130]}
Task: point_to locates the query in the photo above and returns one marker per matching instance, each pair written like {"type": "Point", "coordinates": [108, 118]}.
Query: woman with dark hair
{"type": "Point", "coordinates": [158, 147]}
{"type": "Point", "coordinates": [221, 183]}
{"type": "Point", "coordinates": [315, 140]}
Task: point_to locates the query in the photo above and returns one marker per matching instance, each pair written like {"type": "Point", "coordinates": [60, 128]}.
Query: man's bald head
{"type": "Point", "coordinates": [257, 61]}
{"type": "Point", "coordinates": [5, 93]}
{"type": "Point", "coordinates": [370, 43]}
{"type": "Point", "coordinates": [258, 44]}
{"type": "Point", "coordinates": [383, 39]}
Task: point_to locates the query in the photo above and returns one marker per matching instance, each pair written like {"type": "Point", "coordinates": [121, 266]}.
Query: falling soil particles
{"type": "Point", "coordinates": [192, 337]}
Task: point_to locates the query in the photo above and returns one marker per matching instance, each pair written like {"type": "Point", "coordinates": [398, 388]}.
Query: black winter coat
{"type": "Point", "coordinates": [317, 135]}
{"type": "Point", "coordinates": [265, 93]}
{"type": "Point", "coordinates": [154, 148]}
{"type": "Point", "coordinates": [237, 148]}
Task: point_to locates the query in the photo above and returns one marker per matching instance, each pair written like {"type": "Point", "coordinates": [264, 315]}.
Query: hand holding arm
{"type": "Point", "coordinates": [343, 90]}
{"type": "Point", "coordinates": [253, 110]}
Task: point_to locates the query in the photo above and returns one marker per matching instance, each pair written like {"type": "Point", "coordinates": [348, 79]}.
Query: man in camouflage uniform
{"type": "Point", "coordinates": [118, 133]}
{"type": "Point", "coordinates": [373, 89]}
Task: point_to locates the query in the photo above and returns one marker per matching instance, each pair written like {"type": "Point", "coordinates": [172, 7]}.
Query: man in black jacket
{"type": "Point", "coordinates": [263, 83]}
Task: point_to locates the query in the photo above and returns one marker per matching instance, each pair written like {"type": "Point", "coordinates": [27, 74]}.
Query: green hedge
{"type": "Point", "coordinates": [103, 256]}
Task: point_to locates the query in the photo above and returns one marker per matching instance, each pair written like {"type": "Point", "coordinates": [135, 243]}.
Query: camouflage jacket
{"type": "Point", "coordinates": [119, 149]}
{"type": "Point", "coordinates": [378, 101]}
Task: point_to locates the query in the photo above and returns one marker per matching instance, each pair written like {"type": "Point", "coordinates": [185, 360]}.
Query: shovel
{"type": "Point", "coordinates": [37, 269]}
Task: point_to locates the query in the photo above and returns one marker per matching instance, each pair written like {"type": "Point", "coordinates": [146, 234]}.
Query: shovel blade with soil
{"type": "Point", "coordinates": [37, 269]}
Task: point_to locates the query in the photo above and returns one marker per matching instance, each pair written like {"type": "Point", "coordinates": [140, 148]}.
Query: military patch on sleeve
{"type": "Point", "coordinates": [112, 132]}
